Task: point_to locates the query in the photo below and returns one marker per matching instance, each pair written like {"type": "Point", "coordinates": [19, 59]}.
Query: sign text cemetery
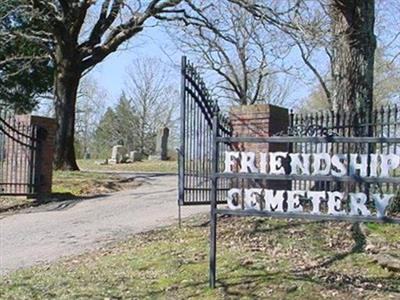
{"type": "Point", "coordinates": [264, 161]}
{"type": "Point", "coordinates": [338, 166]}
{"type": "Point", "coordinates": [319, 185]}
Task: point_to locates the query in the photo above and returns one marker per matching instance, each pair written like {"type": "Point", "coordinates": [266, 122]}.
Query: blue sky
{"type": "Point", "coordinates": [153, 42]}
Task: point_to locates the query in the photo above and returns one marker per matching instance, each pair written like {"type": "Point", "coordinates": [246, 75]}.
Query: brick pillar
{"type": "Point", "coordinates": [260, 120]}
{"type": "Point", "coordinates": [46, 136]}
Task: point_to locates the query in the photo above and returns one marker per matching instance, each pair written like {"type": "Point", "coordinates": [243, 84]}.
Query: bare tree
{"type": "Point", "coordinates": [153, 98]}
{"type": "Point", "coordinates": [79, 35]}
{"type": "Point", "coordinates": [353, 53]}
{"type": "Point", "coordinates": [320, 32]}
{"type": "Point", "coordinates": [235, 47]}
{"type": "Point", "coordinates": [344, 29]}
{"type": "Point", "coordinates": [90, 107]}
{"type": "Point", "coordinates": [386, 86]}
{"type": "Point", "coordinates": [387, 26]}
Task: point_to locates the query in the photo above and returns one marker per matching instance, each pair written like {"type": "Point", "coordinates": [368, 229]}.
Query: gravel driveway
{"type": "Point", "coordinates": [46, 233]}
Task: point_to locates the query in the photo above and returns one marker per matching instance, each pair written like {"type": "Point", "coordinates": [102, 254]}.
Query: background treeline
{"type": "Point", "coordinates": [148, 103]}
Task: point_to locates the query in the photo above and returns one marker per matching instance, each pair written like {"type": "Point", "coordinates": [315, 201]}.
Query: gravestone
{"type": "Point", "coordinates": [161, 145]}
{"type": "Point", "coordinates": [135, 156]}
{"type": "Point", "coordinates": [118, 154]}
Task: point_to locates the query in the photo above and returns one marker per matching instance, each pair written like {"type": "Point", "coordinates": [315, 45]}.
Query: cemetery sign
{"type": "Point", "coordinates": [338, 185]}
{"type": "Point", "coordinates": [338, 166]}
{"type": "Point", "coordinates": [315, 169]}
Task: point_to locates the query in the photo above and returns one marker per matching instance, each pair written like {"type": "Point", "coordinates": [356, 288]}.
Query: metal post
{"type": "Point", "coordinates": [180, 216]}
{"type": "Point", "coordinates": [370, 150]}
{"type": "Point", "coordinates": [181, 150]}
{"type": "Point", "coordinates": [179, 190]}
{"type": "Point", "coordinates": [213, 215]}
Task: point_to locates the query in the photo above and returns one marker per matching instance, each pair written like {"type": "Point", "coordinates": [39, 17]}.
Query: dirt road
{"type": "Point", "coordinates": [46, 233]}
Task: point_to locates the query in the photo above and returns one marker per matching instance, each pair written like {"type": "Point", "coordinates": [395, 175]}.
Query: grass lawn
{"type": "Point", "coordinates": [67, 185]}
{"type": "Point", "coordinates": [257, 259]}
{"type": "Point", "coordinates": [89, 183]}
{"type": "Point", "coordinates": [84, 183]}
{"type": "Point", "coordinates": [141, 166]}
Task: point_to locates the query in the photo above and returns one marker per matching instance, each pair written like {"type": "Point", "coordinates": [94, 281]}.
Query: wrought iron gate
{"type": "Point", "coordinates": [360, 177]}
{"type": "Point", "coordinates": [19, 146]}
{"type": "Point", "coordinates": [195, 152]}
{"type": "Point", "coordinates": [383, 122]}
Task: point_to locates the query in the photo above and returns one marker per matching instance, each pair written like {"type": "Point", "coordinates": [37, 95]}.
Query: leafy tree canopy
{"type": "Point", "coordinates": [26, 70]}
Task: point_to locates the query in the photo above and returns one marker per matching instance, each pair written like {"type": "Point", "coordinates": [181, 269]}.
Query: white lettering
{"type": "Point", "coordinates": [252, 199]}
{"type": "Point", "coordinates": [230, 160]}
{"type": "Point", "coordinates": [373, 166]}
{"type": "Point", "coordinates": [248, 162]}
{"type": "Point", "coordinates": [357, 204]}
{"type": "Point", "coordinates": [321, 160]}
{"type": "Point", "coordinates": [293, 201]}
{"type": "Point", "coordinates": [263, 163]}
{"type": "Point", "coordinates": [274, 200]}
{"type": "Point", "coordinates": [381, 202]}
{"type": "Point", "coordinates": [230, 199]}
{"type": "Point", "coordinates": [315, 198]}
{"type": "Point", "coordinates": [334, 203]}
{"type": "Point", "coordinates": [276, 162]}
{"type": "Point", "coordinates": [389, 162]}
{"type": "Point", "coordinates": [338, 163]}
{"type": "Point", "coordinates": [355, 165]}
{"type": "Point", "coordinates": [300, 165]}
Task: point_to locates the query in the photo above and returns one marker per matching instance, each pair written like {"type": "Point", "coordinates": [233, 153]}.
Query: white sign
{"type": "Point", "coordinates": [316, 202]}
{"type": "Point", "coordinates": [312, 164]}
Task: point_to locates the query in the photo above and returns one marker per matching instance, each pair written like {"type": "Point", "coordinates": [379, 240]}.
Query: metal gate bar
{"type": "Point", "coordinates": [381, 125]}
{"type": "Point", "coordinates": [306, 143]}
{"type": "Point", "coordinates": [195, 152]}
{"type": "Point", "coordinates": [18, 157]}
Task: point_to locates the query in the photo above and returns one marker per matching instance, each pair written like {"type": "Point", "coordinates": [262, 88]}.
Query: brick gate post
{"type": "Point", "coordinates": [46, 135]}
{"type": "Point", "coordinates": [261, 120]}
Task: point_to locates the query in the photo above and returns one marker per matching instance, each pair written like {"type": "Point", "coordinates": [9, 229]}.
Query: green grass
{"type": "Point", "coordinates": [83, 183]}
{"type": "Point", "coordinates": [91, 181]}
{"type": "Point", "coordinates": [69, 185]}
{"type": "Point", "coordinates": [257, 259]}
{"type": "Point", "coordinates": [141, 166]}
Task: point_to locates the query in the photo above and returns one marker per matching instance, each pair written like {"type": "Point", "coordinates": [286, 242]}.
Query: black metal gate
{"type": "Point", "coordinates": [19, 146]}
{"type": "Point", "coordinates": [383, 122]}
{"type": "Point", "coordinates": [195, 152]}
{"type": "Point", "coordinates": [312, 138]}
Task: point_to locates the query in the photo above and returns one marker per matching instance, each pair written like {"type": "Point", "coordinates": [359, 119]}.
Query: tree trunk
{"type": "Point", "coordinates": [354, 45]}
{"type": "Point", "coordinates": [66, 84]}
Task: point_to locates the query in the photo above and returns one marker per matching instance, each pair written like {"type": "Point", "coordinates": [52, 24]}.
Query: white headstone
{"type": "Point", "coordinates": [118, 154]}
{"type": "Point", "coordinates": [135, 156]}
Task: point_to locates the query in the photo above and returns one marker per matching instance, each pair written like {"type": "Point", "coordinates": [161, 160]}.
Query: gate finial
{"type": "Point", "coordinates": [215, 107]}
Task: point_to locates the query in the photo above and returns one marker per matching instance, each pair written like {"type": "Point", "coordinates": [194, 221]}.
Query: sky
{"type": "Point", "coordinates": [153, 42]}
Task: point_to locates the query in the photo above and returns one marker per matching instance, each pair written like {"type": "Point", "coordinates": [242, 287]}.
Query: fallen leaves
{"type": "Point", "coordinates": [257, 259]}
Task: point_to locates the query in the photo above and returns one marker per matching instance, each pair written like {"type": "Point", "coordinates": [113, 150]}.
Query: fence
{"type": "Point", "coordinates": [19, 146]}
{"type": "Point", "coordinates": [195, 152]}
{"type": "Point", "coordinates": [355, 162]}
{"type": "Point", "coordinates": [317, 195]}
{"type": "Point", "coordinates": [383, 122]}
